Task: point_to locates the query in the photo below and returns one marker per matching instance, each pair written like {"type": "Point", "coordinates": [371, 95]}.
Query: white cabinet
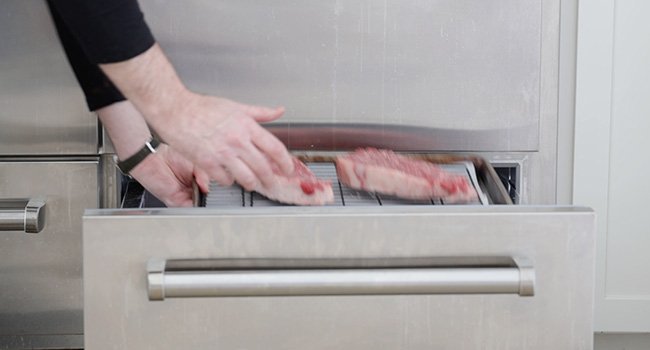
{"type": "Point", "coordinates": [612, 160]}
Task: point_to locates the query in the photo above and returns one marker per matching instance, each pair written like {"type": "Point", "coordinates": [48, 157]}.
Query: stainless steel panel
{"type": "Point", "coordinates": [303, 277]}
{"type": "Point", "coordinates": [559, 242]}
{"type": "Point", "coordinates": [349, 136]}
{"type": "Point", "coordinates": [110, 178]}
{"type": "Point", "coordinates": [41, 289]}
{"type": "Point", "coordinates": [42, 109]}
{"type": "Point", "coordinates": [472, 68]}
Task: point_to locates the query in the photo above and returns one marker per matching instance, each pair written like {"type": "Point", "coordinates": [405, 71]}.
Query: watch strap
{"type": "Point", "coordinates": [128, 164]}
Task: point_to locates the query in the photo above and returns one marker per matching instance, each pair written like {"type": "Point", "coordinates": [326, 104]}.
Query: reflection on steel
{"type": "Point", "coordinates": [352, 280]}
{"type": "Point", "coordinates": [26, 215]}
{"type": "Point", "coordinates": [43, 110]}
{"type": "Point", "coordinates": [453, 64]}
{"type": "Point", "coordinates": [348, 136]}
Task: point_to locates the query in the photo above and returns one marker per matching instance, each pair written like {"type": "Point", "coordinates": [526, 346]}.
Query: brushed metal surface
{"type": "Point", "coordinates": [559, 241]}
{"type": "Point", "coordinates": [27, 215]}
{"type": "Point", "coordinates": [110, 179]}
{"type": "Point", "coordinates": [41, 289]}
{"type": "Point", "coordinates": [469, 67]}
{"type": "Point", "coordinates": [12, 214]}
{"type": "Point", "coordinates": [42, 109]}
{"type": "Point", "coordinates": [355, 279]}
{"type": "Point", "coordinates": [349, 136]}
{"type": "Point", "coordinates": [35, 212]}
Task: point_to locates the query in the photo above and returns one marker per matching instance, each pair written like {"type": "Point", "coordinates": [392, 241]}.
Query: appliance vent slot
{"type": "Point", "coordinates": [510, 176]}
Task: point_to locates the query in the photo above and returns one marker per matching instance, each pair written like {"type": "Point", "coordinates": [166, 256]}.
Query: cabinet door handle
{"type": "Point", "coordinates": [517, 278]}
{"type": "Point", "coordinates": [27, 215]}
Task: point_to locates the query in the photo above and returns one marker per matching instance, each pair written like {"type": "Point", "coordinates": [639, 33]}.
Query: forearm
{"type": "Point", "coordinates": [220, 136]}
{"type": "Point", "coordinates": [125, 126]}
{"type": "Point", "coordinates": [150, 82]}
{"type": "Point", "coordinates": [166, 174]}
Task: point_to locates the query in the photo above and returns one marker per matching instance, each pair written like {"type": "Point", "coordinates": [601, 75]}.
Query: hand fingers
{"type": "Point", "coordinates": [173, 203]}
{"type": "Point", "coordinates": [180, 166]}
{"type": "Point", "coordinates": [220, 175]}
{"type": "Point", "coordinates": [273, 148]}
{"type": "Point", "coordinates": [263, 114]}
{"type": "Point", "coordinates": [242, 174]}
{"type": "Point", "coordinates": [214, 169]}
{"type": "Point", "coordinates": [258, 163]}
{"type": "Point", "coordinates": [203, 180]}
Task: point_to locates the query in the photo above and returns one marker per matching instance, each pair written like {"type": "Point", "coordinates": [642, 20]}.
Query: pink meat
{"type": "Point", "coordinates": [301, 188]}
{"type": "Point", "coordinates": [386, 172]}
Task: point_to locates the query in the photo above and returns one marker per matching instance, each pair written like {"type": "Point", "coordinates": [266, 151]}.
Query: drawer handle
{"type": "Point", "coordinates": [163, 282]}
{"type": "Point", "coordinates": [27, 215]}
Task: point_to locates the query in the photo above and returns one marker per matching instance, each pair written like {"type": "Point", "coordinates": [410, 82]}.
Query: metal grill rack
{"type": "Point", "coordinates": [235, 196]}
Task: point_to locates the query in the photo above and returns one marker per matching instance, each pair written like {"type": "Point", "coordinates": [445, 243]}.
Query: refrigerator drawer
{"type": "Point", "coordinates": [411, 277]}
{"type": "Point", "coordinates": [41, 290]}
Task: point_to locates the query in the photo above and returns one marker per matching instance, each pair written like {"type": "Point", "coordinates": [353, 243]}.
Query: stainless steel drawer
{"type": "Point", "coordinates": [41, 289]}
{"type": "Point", "coordinates": [407, 277]}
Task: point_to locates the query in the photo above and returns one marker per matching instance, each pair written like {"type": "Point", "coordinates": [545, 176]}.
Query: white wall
{"type": "Point", "coordinates": [612, 160]}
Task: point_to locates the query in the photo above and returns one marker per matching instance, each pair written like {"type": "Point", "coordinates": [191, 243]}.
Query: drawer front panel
{"type": "Point", "coordinates": [559, 245]}
{"type": "Point", "coordinates": [41, 289]}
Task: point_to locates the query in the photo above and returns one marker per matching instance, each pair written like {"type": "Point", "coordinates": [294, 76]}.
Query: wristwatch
{"type": "Point", "coordinates": [128, 164]}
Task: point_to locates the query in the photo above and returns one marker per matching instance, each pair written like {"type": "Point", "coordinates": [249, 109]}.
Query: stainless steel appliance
{"type": "Point", "coordinates": [49, 173]}
{"type": "Point", "coordinates": [410, 277]}
{"type": "Point", "coordinates": [482, 77]}
{"type": "Point", "coordinates": [41, 296]}
{"type": "Point", "coordinates": [424, 77]}
{"type": "Point", "coordinates": [367, 272]}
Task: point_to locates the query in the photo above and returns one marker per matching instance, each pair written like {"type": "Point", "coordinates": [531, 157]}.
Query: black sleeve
{"type": "Point", "coordinates": [98, 89]}
{"type": "Point", "coordinates": [107, 31]}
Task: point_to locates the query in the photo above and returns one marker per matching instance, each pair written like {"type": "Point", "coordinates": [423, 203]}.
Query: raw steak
{"type": "Point", "coordinates": [386, 172]}
{"type": "Point", "coordinates": [302, 187]}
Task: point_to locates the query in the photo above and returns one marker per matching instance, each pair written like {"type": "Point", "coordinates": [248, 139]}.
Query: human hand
{"type": "Point", "coordinates": [221, 136]}
{"type": "Point", "coordinates": [168, 176]}
{"type": "Point", "coordinates": [224, 138]}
